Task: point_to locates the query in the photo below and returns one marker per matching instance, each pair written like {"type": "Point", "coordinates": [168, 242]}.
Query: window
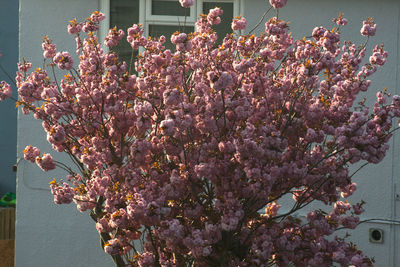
{"type": "Point", "coordinates": [164, 17]}
{"type": "Point", "coordinates": [124, 13]}
{"type": "Point", "coordinates": [225, 26]}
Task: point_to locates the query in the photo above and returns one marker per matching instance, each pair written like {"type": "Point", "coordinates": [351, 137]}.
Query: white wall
{"type": "Point", "coordinates": [48, 234]}
{"type": "Point", "coordinates": [376, 183]}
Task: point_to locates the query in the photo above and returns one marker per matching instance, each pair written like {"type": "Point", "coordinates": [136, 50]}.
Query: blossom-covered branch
{"type": "Point", "coordinates": [181, 156]}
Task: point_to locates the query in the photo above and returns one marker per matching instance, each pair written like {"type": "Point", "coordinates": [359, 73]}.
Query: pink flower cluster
{"type": "Point", "coordinates": [91, 24]}
{"type": "Point", "coordinates": [74, 27]}
{"type": "Point", "coordinates": [340, 20]}
{"type": "Point", "coordinates": [5, 91]}
{"type": "Point", "coordinates": [45, 162]}
{"type": "Point", "coordinates": [213, 16]}
{"type": "Point", "coordinates": [278, 3]}
{"type": "Point", "coordinates": [30, 153]}
{"type": "Point", "coordinates": [186, 3]}
{"type": "Point", "coordinates": [63, 60]}
{"type": "Point", "coordinates": [368, 28]}
{"type": "Point", "coordinates": [239, 24]}
{"type": "Point", "coordinates": [63, 194]}
{"type": "Point", "coordinates": [49, 49]}
{"type": "Point", "coordinates": [182, 155]}
{"type": "Point", "coordinates": [135, 36]}
{"type": "Point", "coordinates": [113, 37]}
{"type": "Point", "coordinates": [112, 247]}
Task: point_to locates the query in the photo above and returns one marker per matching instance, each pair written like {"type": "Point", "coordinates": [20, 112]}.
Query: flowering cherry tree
{"type": "Point", "coordinates": [185, 161]}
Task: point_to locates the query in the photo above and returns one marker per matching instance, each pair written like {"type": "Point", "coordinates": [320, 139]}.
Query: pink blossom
{"type": "Point", "coordinates": [186, 3]}
{"type": "Point", "coordinates": [97, 16]}
{"type": "Point", "coordinates": [340, 20]}
{"type": "Point", "coordinates": [172, 97]}
{"type": "Point", "coordinates": [63, 60]}
{"type": "Point", "coordinates": [146, 260]}
{"type": "Point", "coordinates": [74, 27]}
{"type": "Point", "coordinates": [62, 194]}
{"type": "Point", "coordinates": [185, 153]}
{"type": "Point", "coordinates": [277, 3]}
{"type": "Point", "coordinates": [272, 209]}
{"type": "Point", "coordinates": [30, 153]}
{"type": "Point", "coordinates": [135, 29]}
{"type": "Point", "coordinates": [379, 56]}
{"type": "Point", "coordinates": [92, 23]}
{"type": "Point", "coordinates": [358, 209]}
{"type": "Point", "coordinates": [112, 247]}
{"type": "Point", "coordinates": [178, 38]}
{"type": "Point", "coordinates": [113, 37]}
{"type": "Point", "coordinates": [49, 49]}
{"type": "Point", "coordinates": [84, 203]}
{"type": "Point", "coordinates": [224, 81]}
{"type": "Point", "coordinates": [167, 127]}
{"type": "Point", "coordinates": [239, 24]}
{"type": "Point", "coordinates": [368, 28]}
{"type": "Point", "coordinates": [349, 190]}
{"type": "Point", "coordinates": [45, 162]}
{"type": "Point", "coordinates": [5, 91]}
{"type": "Point", "coordinates": [357, 260]}
{"type": "Point", "coordinates": [102, 226]}
{"type": "Point", "coordinates": [134, 36]}
{"type": "Point", "coordinates": [350, 222]}
{"type": "Point", "coordinates": [56, 135]}
{"type": "Point", "coordinates": [341, 207]}
{"type": "Point", "coordinates": [213, 16]}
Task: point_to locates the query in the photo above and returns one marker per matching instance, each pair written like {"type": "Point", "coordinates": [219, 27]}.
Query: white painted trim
{"type": "Point", "coordinates": [199, 8]}
{"type": "Point", "coordinates": [241, 9]}
{"type": "Point", "coordinates": [104, 7]}
{"type": "Point", "coordinates": [166, 23]}
{"type": "Point", "coordinates": [142, 21]}
{"type": "Point", "coordinates": [146, 18]}
{"type": "Point", "coordinates": [236, 6]}
{"type": "Point", "coordinates": [142, 12]}
{"type": "Point", "coordinates": [150, 16]}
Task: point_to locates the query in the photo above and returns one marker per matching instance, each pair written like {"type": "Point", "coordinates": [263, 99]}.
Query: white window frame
{"type": "Point", "coordinates": [165, 18]}
{"type": "Point", "coordinates": [236, 6]}
{"type": "Point", "coordinates": [146, 18]}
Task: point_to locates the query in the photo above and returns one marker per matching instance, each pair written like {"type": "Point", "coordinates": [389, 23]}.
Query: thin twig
{"type": "Point", "coordinates": [260, 21]}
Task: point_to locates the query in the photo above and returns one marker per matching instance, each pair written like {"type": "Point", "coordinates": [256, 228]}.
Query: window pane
{"type": "Point", "coordinates": [167, 31]}
{"type": "Point", "coordinates": [168, 8]}
{"type": "Point", "coordinates": [123, 14]}
{"type": "Point", "coordinates": [224, 27]}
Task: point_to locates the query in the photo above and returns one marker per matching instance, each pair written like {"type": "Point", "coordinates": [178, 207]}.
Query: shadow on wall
{"type": "Point", "coordinates": [8, 112]}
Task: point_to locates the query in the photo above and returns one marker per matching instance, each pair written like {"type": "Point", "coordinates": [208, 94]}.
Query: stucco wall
{"type": "Point", "coordinates": [49, 235]}
{"type": "Point", "coordinates": [8, 112]}
{"type": "Point", "coordinates": [46, 234]}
